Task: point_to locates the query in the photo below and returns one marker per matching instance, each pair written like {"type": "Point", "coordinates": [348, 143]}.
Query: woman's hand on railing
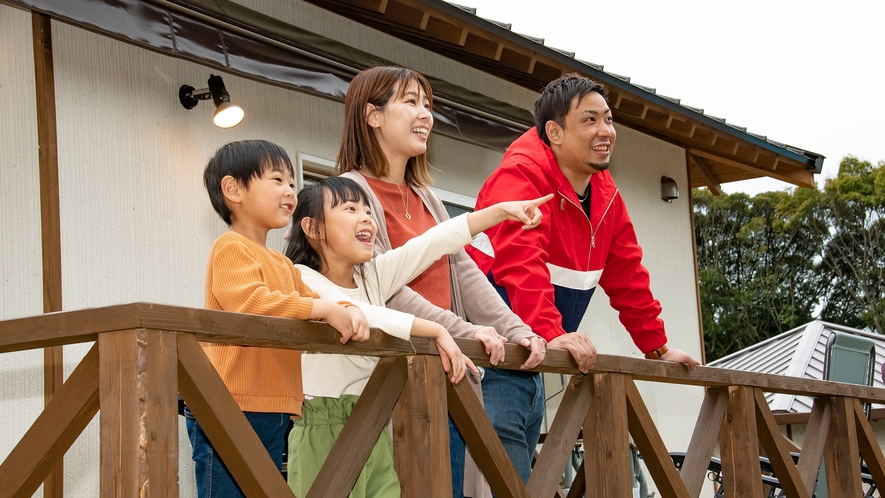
{"type": "Point", "coordinates": [537, 347]}
{"type": "Point", "coordinates": [680, 356]}
{"type": "Point", "coordinates": [493, 343]}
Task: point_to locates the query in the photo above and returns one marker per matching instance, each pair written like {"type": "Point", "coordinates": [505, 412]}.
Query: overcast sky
{"type": "Point", "coordinates": [806, 73]}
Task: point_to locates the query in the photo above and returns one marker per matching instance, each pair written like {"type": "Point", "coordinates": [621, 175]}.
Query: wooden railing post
{"type": "Point", "coordinates": [842, 454]}
{"type": "Point", "coordinates": [421, 432]}
{"type": "Point", "coordinates": [606, 439]}
{"type": "Point", "coordinates": [138, 372]}
{"type": "Point", "coordinates": [739, 445]}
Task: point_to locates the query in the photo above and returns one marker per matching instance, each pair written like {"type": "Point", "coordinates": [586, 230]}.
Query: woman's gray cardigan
{"type": "Point", "coordinates": [474, 300]}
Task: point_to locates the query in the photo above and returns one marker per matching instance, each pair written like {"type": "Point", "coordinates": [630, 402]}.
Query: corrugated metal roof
{"type": "Point", "coordinates": [798, 353]}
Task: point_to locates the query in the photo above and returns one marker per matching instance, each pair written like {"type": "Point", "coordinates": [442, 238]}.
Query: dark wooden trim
{"type": "Point", "coordinates": [651, 446]}
{"type": "Point", "coordinates": [869, 447]}
{"type": "Point", "coordinates": [560, 439]}
{"type": "Point", "coordinates": [50, 224]}
{"type": "Point", "coordinates": [139, 420]}
{"type": "Point", "coordinates": [421, 422]}
{"type": "Point", "coordinates": [739, 445]}
{"type": "Point", "coordinates": [703, 439]}
{"type": "Point", "coordinates": [841, 451]}
{"type": "Point", "coordinates": [814, 443]}
{"type": "Point", "coordinates": [225, 425]}
{"type": "Point", "coordinates": [607, 466]}
{"type": "Point", "coordinates": [234, 328]}
{"type": "Point", "coordinates": [802, 418]}
{"type": "Point", "coordinates": [694, 255]}
{"type": "Point", "coordinates": [44, 445]}
{"type": "Point", "coordinates": [776, 449]}
{"type": "Point", "coordinates": [483, 442]}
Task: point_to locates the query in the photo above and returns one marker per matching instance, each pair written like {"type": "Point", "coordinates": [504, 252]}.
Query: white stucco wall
{"type": "Point", "coordinates": [136, 224]}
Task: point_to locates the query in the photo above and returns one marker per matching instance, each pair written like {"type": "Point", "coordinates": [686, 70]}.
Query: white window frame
{"type": "Point", "coordinates": [455, 199]}
{"type": "Point", "coordinates": [316, 165]}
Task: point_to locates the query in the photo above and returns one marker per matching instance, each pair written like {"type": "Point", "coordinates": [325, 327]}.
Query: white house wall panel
{"type": "Point", "coordinates": [136, 224]}
{"type": "Point", "coordinates": [328, 24]}
{"type": "Point", "coordinates": [21, 288]}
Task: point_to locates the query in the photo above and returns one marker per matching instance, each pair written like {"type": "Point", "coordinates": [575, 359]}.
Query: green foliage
{"type": "Point", "coordinates": [854, 259]}
{"type": "Point", "coordinates": [775, 261]}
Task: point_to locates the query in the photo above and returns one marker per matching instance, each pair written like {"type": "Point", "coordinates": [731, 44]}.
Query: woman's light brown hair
{"type": "Point", "coordinates": [359, 148]}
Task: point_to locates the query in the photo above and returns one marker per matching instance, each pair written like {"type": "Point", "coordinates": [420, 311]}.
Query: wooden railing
{"type": "Point", "coordinates": [144, 354]}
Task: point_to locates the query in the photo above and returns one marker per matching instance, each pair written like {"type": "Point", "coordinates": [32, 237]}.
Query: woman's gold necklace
{"type": "Point", "coordinates": [405, 200]}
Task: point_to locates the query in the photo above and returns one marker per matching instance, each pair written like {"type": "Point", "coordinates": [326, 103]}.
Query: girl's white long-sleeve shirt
{"type": "Point", "coordinates": [332, 375]}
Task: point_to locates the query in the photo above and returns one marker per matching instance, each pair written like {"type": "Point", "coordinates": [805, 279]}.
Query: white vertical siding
{"type": "Point", "coordinates": [21, 290]}
{"type": "Point", "coordinates": [328, 24]}
{"type": "Point", "coordinates": [136, 224]}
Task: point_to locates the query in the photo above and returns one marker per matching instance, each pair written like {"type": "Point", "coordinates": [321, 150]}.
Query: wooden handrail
{"type": "Point", "coordinates": [70, 327]}
{"type": "Point", "coordinates": [145, 350]}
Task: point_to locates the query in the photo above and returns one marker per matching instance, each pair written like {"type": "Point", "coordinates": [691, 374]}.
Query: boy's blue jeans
{"type": "Point", "coordinates": [514, 402]}
{"type": "Point", "coordinates": [213, 479]}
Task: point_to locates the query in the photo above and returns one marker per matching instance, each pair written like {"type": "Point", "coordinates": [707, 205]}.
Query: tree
{"type": "Point", "coordinates": [854, 257]}
{"type": "Point", "coordinates": [775, 261]}
{"type": "Point", "coordinates": [756, 262]}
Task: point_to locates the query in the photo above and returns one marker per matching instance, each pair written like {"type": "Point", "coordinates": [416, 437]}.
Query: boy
{"type": "Point", "coordinates": [251, 186]}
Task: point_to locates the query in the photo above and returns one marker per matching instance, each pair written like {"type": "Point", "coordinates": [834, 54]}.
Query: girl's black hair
{"type": "Point", "coordinates": [311, 203]}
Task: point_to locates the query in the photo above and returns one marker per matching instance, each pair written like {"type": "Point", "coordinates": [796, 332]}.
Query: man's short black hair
{"type": "Point", "coordinates": [243, 160]}
{"type": "Point", "coordinates": [558, 98]}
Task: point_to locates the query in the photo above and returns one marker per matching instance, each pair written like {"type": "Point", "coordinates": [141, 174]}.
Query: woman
{"type": "Point", "coordinates": [387, 123]}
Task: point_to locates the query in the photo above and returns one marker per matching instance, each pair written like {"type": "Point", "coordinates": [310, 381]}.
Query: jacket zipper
{"type": "Point", "coordinates": [592, 230]}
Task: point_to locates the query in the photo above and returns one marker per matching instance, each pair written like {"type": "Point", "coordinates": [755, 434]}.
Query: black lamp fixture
{"type": "Point", "coordinates": [227, 115]}
{"type": "Point", "coordinates": [669, 190]}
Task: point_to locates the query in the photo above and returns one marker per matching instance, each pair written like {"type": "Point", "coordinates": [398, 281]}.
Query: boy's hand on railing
{"type": "Point", "coordinates": [493, 343]}
{"type": "Point", "coordinates": [679, 356]}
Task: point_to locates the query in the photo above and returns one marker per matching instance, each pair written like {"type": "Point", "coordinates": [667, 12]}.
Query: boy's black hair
{"type": "Point", "coordinates": [311, 204]}
{"type": "Point", "coordinates": [558, 98]}
{"type": "Point", "coordinates": [242, 160]}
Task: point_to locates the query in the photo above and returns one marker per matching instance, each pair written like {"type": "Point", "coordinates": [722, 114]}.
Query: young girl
{"type": "Point", "coordinates": [332, 244]}
{"type": "Point", "coordinates": [387, 123]}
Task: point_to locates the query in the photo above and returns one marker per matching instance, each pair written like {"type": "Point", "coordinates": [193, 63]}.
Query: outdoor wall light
{"type": "Point", "coordinates": [669, 190]}
{"type": "Point", "coordinates": [227, 115]}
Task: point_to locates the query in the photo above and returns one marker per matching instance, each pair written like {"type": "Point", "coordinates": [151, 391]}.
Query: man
{"type": "Point", "coordinates": [548, 275]}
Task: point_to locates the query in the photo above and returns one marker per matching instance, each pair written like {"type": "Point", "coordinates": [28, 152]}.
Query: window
{"type": "Point", "coordinates": [313, 169]}
{"type": "Point", "coordinates": [454, 202]}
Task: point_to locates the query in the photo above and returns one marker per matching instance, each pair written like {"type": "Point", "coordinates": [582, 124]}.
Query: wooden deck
{"type": "Point", "coordinates": [145, 354]}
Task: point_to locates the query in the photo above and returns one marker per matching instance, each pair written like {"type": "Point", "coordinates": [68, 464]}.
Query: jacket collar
{"type": "Point", "coordinates": [530, 146]}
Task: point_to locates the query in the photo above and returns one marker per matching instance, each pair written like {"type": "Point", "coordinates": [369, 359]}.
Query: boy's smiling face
{"type": "Point", "coordinates": [267, 203]}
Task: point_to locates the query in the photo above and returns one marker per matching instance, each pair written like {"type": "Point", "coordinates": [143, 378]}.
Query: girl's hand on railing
{"type": "Point", "coordinates": [361, 331]}
{"type": "Point", "coordinates": [453, 360]}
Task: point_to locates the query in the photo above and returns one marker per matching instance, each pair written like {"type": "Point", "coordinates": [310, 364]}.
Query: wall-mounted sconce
{"type": "Point", "coordinates": [227, 115]}
{"type": "Point", "coordinates": [669, 190]}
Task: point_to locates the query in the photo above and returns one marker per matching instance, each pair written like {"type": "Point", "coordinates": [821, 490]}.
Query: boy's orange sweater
{"type": "Point", "coordinates": [246, 277]}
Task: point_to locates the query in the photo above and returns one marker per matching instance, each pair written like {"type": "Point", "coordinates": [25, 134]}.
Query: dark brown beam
{"type": "Point", "coordinates": [712, 182]}
{"type": "Point", "coordinates": [47, 144]}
